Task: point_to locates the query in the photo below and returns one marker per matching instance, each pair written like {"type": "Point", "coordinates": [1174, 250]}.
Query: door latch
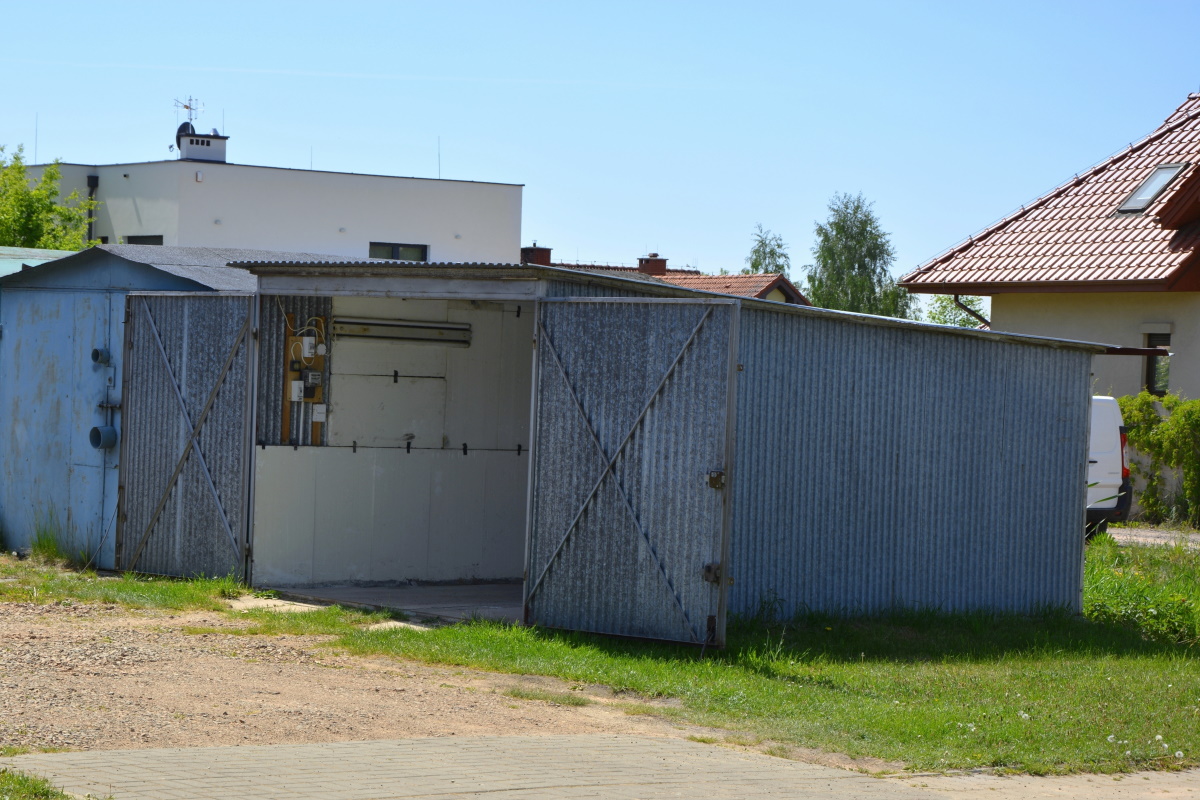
{"type": "Point", "coordinates": [716, 479]}
{"type": "Point", "coordinates": [712, 572]}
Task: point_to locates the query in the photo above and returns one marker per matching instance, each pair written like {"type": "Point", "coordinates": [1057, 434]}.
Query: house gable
{"type": "Point", "coordinates": [1075, 239]}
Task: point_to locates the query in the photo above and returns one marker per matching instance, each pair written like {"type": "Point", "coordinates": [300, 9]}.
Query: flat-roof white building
{"type": "Point", "coordinates": [200, 200]}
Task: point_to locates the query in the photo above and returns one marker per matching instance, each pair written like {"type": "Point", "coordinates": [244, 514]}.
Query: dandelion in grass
{"type": "Point", "coordinates": [1022, 715]}
{"type": "Point", "coordinates": [1158, 738]}
{"type": "Point", "coordinates": [1111, 738]}
{"type": "Point", "coordinates": [1179, 754]}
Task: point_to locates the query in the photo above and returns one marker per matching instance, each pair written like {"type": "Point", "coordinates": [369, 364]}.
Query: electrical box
{"type": "Point", "coordinates": [311, 379]}
{"type": "Point", "coordinates": [306, 351]}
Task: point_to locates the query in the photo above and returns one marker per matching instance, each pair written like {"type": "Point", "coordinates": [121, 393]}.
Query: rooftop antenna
{"type": "Point", "coordinates": [193, 107]}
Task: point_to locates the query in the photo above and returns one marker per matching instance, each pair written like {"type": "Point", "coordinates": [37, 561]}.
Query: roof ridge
{"type": "Point", "coordinates": [1080, 178]}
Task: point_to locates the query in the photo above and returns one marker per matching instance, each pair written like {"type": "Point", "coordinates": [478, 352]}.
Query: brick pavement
{"type": "Point", "coordinates": [447, 768]}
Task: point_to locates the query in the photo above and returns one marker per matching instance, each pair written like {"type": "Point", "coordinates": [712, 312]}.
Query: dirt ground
{"type": "Point", "coordinates": [95, 677]}
{"type": "Point", "coordinates": [80, 677]}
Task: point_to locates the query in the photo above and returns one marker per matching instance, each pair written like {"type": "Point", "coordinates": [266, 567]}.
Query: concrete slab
{"type": "Point", "coordinates": [495, 601]}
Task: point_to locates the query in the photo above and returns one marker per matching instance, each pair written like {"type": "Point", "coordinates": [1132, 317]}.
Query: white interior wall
{"type": "Point", "coordinates": [383, 513]}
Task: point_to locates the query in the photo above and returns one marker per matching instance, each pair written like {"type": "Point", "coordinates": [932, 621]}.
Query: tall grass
{"type": "Point", "coordinates": [1154, 590]}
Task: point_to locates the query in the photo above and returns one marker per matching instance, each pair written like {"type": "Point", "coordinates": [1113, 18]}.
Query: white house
{"type": "Point", "coordinates": [201, 200]}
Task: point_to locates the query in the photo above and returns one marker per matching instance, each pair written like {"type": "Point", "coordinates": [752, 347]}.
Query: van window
{"type": "Point", "coordinates": [1106, 434]}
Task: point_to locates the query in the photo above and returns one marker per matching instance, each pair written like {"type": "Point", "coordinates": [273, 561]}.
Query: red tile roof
{"type": "Point", "coordinates": [759, 285]}
{"type": "Point", "coordinates": [1073, 239]}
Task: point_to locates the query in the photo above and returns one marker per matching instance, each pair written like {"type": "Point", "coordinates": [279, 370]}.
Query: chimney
{"type": "Point", "coordinates": [536, 255]}
{"type": "Point", "coordinates": [652, 265]}
{"type": "Point", "coordinates": [200, 146]}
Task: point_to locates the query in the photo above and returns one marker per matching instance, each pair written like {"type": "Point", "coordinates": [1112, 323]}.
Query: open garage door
{"type": "Point", "coordinates": [628, 518]}
{"type": "Point", "coordinates": [185, 449]}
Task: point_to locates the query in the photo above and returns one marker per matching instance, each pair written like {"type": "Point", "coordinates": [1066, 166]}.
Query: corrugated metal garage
{"type": "Point", "coordinates": [644, 459]}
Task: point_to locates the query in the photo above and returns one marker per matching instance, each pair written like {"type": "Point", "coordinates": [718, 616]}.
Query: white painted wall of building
{"type": "Point", "coordinates": [328, 514]}
{"type": "Point", "coordinates": [301, 210]}
{"type": "Point", "coordinates": [1112, 318]}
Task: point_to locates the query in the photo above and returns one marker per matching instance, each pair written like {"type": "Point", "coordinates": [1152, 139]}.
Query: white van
{"type": "Point", "coordinates": [1110, 492]}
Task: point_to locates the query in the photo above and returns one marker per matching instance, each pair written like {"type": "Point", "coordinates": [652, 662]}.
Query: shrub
{"type": "Point", "coordinates": [1166, 430]}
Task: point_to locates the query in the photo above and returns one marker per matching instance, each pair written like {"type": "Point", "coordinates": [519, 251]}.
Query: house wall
{"type": "Point", "coordinates": [1112, 318]}
{"type": "Point", "coordinates": [50, 476]}
{"type": "Point", "coordinates": [368, 507]}
{"type": "Point", "coordinates": [301, 210]}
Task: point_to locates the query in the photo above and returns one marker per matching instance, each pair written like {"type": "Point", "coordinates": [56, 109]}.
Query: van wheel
{"type": "Point", "coordinates": [1095, 528]}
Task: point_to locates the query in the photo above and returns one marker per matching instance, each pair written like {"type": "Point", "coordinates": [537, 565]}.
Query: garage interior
{"type": "Point", "coordinates": [398, 460]}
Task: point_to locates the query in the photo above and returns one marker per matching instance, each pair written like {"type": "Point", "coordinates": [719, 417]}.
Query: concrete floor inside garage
{"type": "Point", "coordinates": [454, 603]}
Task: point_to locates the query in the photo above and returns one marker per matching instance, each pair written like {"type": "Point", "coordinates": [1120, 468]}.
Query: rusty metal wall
{"type": "Point", "coordinates": [625, 553]}
{"type": "Point", "coordinates": [879, 467]}
{"type": "Point", "coordinates": [272, 337]}
{"type": "Point", "coordinates": [201, 526]}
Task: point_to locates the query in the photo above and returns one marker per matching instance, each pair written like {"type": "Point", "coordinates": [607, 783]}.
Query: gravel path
{"type": "Point", "coordinates": [94, 677]}
{"type": "Point", "coordinates": [1154, 536]}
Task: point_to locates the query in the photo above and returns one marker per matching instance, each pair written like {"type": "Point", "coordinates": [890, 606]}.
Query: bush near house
{"type": "Point", "coordinates": [1166, 432]}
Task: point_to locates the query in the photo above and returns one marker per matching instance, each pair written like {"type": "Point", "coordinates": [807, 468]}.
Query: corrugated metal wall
{"type": "Point", "coordinates": [879, 467]}
{"type": "Point", "coordinates": [625, 555]}
{"type": "Point", "coordinates": [186, 527]}
{"type": "Point", "coordinates": [272, 337]}
{"type": "Point", "coordinates": [570, 289]}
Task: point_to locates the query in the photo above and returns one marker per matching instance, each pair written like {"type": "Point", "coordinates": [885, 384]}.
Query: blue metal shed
{"type": "Point", "coordinates": [61, 335]}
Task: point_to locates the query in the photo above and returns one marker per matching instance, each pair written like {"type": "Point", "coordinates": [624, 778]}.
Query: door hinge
{"type": "Point", "coordinates": [716, 479]}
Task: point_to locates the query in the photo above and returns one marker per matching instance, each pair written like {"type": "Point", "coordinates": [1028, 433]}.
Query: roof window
{"type": "Point", "coordinates": [1151, 188]}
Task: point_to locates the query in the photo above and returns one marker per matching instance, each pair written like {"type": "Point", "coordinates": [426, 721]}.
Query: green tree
{"type": "Point", "coordinates": [31, 214]}
{"type": "Point", "coordinates": [768, 255]}
{"type": "Point", "coordinates": [852, 259]}
{"type": "Point", "coordinates": [943, 311]}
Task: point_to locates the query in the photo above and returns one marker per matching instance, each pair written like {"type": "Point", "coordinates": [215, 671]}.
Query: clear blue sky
{"type": "Point", "coordinates": [673, 127]}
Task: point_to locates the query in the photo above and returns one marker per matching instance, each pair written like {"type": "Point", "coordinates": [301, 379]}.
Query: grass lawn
{"type": "Point", "coordinates": [1114, 690]}
{"type": "Point", "coordinates": [41, 582]}
{"type": "Point", "coordinates": [16, 786]}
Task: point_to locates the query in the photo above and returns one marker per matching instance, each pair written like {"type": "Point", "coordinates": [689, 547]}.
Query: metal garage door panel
{"type": "Point", "coordinates": [632, 407]}
{"type": "Point", "coordinates": [185, 443]}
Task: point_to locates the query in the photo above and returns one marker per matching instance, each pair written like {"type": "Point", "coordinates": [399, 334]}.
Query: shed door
{"type": "Point", "coordinates": [628, 522]}
{"type": "Point", "coordinates": [185, 447]}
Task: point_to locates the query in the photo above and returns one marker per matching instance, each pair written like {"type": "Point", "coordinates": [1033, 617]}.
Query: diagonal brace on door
{"type": "Point", "coordinates": [192, 441]}
{"type": "Point", "coordinates": [611, 462]}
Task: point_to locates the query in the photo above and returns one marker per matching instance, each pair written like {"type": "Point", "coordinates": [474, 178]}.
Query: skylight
{"type": "Point", "coordinates": [1151, 188]}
